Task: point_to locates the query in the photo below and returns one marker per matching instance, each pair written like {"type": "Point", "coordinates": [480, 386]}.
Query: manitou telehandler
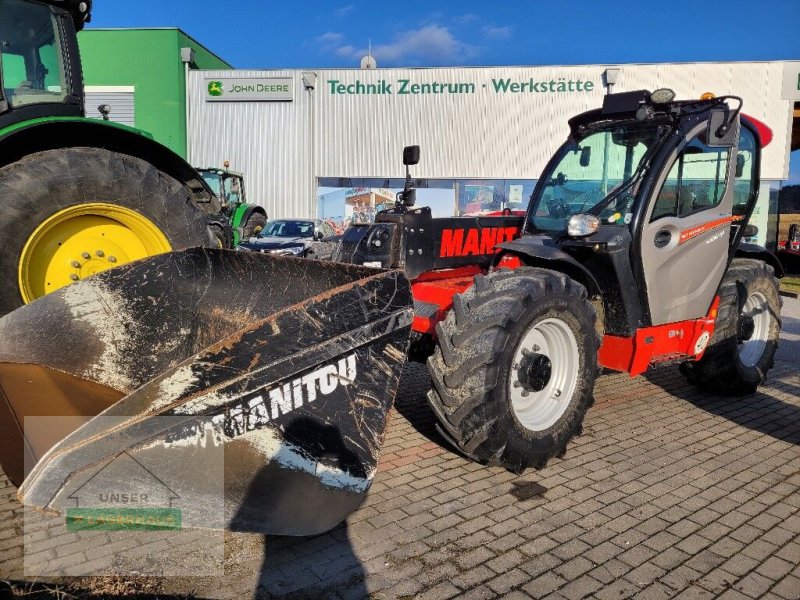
{"type": "Point", "coordinates": [79, 195]}
{"type": "Point", "coordinates": [630, 254]}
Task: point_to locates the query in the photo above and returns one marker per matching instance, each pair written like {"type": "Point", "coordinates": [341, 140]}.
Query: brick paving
{"type": "Point", "coordinates": [669, 493]}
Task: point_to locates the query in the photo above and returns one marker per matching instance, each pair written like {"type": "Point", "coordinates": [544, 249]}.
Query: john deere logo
{"type": "Point", "coordinates": [215, 88]}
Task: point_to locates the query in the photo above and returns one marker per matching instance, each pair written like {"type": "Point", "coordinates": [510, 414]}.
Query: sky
{"type": "Point", "coordinates": [417, 33]}
{"type": "Point", "coordinates": [304, 33]}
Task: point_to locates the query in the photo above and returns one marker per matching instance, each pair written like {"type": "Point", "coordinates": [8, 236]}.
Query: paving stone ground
{"type": "Point", "coordinates": [669, 493]}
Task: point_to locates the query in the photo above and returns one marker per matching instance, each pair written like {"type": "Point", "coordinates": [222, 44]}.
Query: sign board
{"type": "Point", "coordinates": [791, 81]}
{"type": "Point", "coordinates": [249, 89]}
{"type": "Point", "coordinates": [515, 194]}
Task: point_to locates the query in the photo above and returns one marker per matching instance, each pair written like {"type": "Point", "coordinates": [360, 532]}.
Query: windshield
{"type": "Point", "coordinates": [32, 61]}
{"type": "Point", "coordinates": [213, 180]}
{"type": "Point", "coordinates": [226, 187]}
{"type": "Point", "coordinates": [288, 229]}
{"type": "Point", "coordinates": [596, 174]}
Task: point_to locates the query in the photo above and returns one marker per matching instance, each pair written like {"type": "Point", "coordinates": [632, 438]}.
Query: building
{"type": "Point", "coordinates": [141, 75]}
{"type": "Point", "coordinates": [303, 138]}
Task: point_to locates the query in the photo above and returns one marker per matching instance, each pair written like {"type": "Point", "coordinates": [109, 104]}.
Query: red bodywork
{"type": "Point", "coordinates": [662, 343]}
{"type": "Point", "coordinates": [650, 345]}
{"type": "Point", "coordinates": [789, 247]}
{"type": "Point", "coordinates": [439, 287]}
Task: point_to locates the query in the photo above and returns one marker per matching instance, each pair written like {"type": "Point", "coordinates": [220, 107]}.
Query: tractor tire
{"type": "Point", "coordinates": [746, 332]}
{"type": "Point", "coordinates": [514, 367]}
{"type": "Point", "coordinates": [255, 223]}
{"type": "Point", "coordinates": [119, 207]}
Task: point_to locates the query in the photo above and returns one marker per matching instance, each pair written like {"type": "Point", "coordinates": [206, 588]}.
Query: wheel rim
{"type": "Point", "coordinates": [754, 324]}
{"type": "Point", "coordinates": [544, 374]}
{"type": "Point", "coordinates": [82, 240]}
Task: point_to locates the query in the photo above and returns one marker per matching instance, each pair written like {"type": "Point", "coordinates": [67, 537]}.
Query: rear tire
{"type": "Point", "coordinates": [47, 183]}
{"type": "Point", "coordinates": [255, 223]}
{"type": "Point", "coordinates": [498, 405]}
{"type": "Point", "coordinates": [742, 349]}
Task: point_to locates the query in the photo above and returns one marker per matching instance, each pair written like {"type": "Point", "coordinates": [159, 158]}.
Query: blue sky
{"type": "Point", "coordinates": [305, 33]}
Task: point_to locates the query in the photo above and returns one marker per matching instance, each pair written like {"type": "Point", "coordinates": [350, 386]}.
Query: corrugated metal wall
{"type": "Point", "coordinates": [268, 141]}
{"type": "Point", "coordinates": [480, 135]}
{"type": "Point", "coordinates": [121, 102]}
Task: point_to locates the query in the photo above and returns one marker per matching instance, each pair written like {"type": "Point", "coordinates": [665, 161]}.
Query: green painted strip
{"type": "Point", "coordinates": [123, 519]}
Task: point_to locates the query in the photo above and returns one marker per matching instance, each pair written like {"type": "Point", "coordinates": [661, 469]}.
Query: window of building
{"type": "Point", "coordinates": [348, 200]}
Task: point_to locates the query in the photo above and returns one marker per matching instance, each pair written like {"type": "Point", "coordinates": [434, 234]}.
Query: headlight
{"type": "Point", "coordinates": [581, 225]}
{"type": "Point", "coordinates": [295, 250]}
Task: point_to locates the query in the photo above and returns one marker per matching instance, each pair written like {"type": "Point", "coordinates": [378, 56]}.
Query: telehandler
{"type": "Point", "coordinates": [630, 255]}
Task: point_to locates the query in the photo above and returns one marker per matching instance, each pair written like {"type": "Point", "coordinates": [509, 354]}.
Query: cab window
{"type": "Point", "coordinates": [32, 59]}
{"type": "Point", "coordinates": [744, 189]}
{"type": "Point", "coordinates": [696, 182]}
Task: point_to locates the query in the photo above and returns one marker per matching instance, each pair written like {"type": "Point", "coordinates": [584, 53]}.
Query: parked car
{"type": "Point", "coordinates": [292, 237]}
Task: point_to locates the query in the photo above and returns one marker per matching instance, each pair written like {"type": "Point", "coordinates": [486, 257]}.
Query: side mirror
{"type": "Point", "coordinates": [723, 129]}
{"type": "Point", "coordinates": [409, 197]}
{"type": "Point", "coordinates": [586, 156]}
{"type": "Point", "coordinates": [740, 160]}
{"type": "Point", "coordinates": [105, 110]}
{"type": "Point", "coordinates": [410, 155]}
{"type": "Point", "coordinates": [750, 230]}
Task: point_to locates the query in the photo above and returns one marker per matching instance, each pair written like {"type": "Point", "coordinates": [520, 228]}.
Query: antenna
{"type": "Point", "coordinates": [368, 62]}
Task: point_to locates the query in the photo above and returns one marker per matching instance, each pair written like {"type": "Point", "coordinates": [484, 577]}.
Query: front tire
{"type": "Point", "coordinates": [742, 349]}
{"type": "Point", "coordinates": [73, 212]}
{"type": "Point", "coordinates": [514, 367]}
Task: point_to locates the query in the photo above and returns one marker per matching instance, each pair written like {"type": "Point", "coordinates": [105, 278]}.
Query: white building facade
{"type": "Point", "coordinates": [310, 143]}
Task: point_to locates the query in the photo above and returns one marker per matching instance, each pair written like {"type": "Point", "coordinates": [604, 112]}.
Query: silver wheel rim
{"type": "Point", "coordinates": [757, 308]}
{"type": "Point", "coordinates": [539, 409]}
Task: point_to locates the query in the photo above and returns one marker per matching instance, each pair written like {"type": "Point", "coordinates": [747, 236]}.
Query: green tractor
{"type": "Point", "coordinates": [80, 195]}
{"type": "Point", "coordinates": [246, 220]}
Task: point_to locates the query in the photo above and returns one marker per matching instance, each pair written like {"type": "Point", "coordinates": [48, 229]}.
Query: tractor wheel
{"type": "Point", "coordinates": [745, 339]}
{"type": "Point", "coordinates": [255, 223]}
{"type": "Point", "coordinates": [74, 212]}
{"type": "Point", "coordinates": [514, 367]}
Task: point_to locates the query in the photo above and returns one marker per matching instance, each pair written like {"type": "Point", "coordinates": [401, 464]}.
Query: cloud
{"type": "Point", "coordinates": [344, 10]}
{"type": "Point", "coordinates": [431, 44]}
{"type": "Point", "coordinates": [497, 31]}
{"type": "Point", "coordinates": [465, 19]}
{"type": "Point", "coordinates": [329, 41]}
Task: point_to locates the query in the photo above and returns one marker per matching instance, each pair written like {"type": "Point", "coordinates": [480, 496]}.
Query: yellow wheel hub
{"type": "Point", "coordinates": [82, 240]}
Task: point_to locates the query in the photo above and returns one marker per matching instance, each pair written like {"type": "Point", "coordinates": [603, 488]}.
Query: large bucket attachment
{"type": "Point", "coordinates": [290, 365]}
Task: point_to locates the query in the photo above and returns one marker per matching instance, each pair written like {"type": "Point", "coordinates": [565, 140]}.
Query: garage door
{"type": "Point", "coordinates": [119, 98]}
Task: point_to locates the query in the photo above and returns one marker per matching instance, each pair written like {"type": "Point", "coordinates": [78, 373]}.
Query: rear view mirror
{"type": "Point", "coordinates": [750, 230]}
{"type": "Point", "coordinates": [723, 129]}
{"type": "Point", "coordinates": [409, 197]}
{"type": "Point", "coordinates": [410, 155]}
{"type": "Point", "coordinates": [740, 160]}
{"type": "Point", "coordinates": [586, 155]}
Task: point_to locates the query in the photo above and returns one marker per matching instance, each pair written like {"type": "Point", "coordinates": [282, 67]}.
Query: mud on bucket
{"type": "Point", "coordinates": [290, 365]}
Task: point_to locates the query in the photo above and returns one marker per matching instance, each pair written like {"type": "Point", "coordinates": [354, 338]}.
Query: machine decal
{"type": "Point", "coordinates": [688, 234]}
{"type": "Point", "coordinates": [474, 242]}
{"type": "Point", "coordinates": [256, 412]}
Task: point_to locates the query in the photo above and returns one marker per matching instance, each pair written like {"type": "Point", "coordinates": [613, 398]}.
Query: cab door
{"type": "Point", "coordinates": [684, 241]}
